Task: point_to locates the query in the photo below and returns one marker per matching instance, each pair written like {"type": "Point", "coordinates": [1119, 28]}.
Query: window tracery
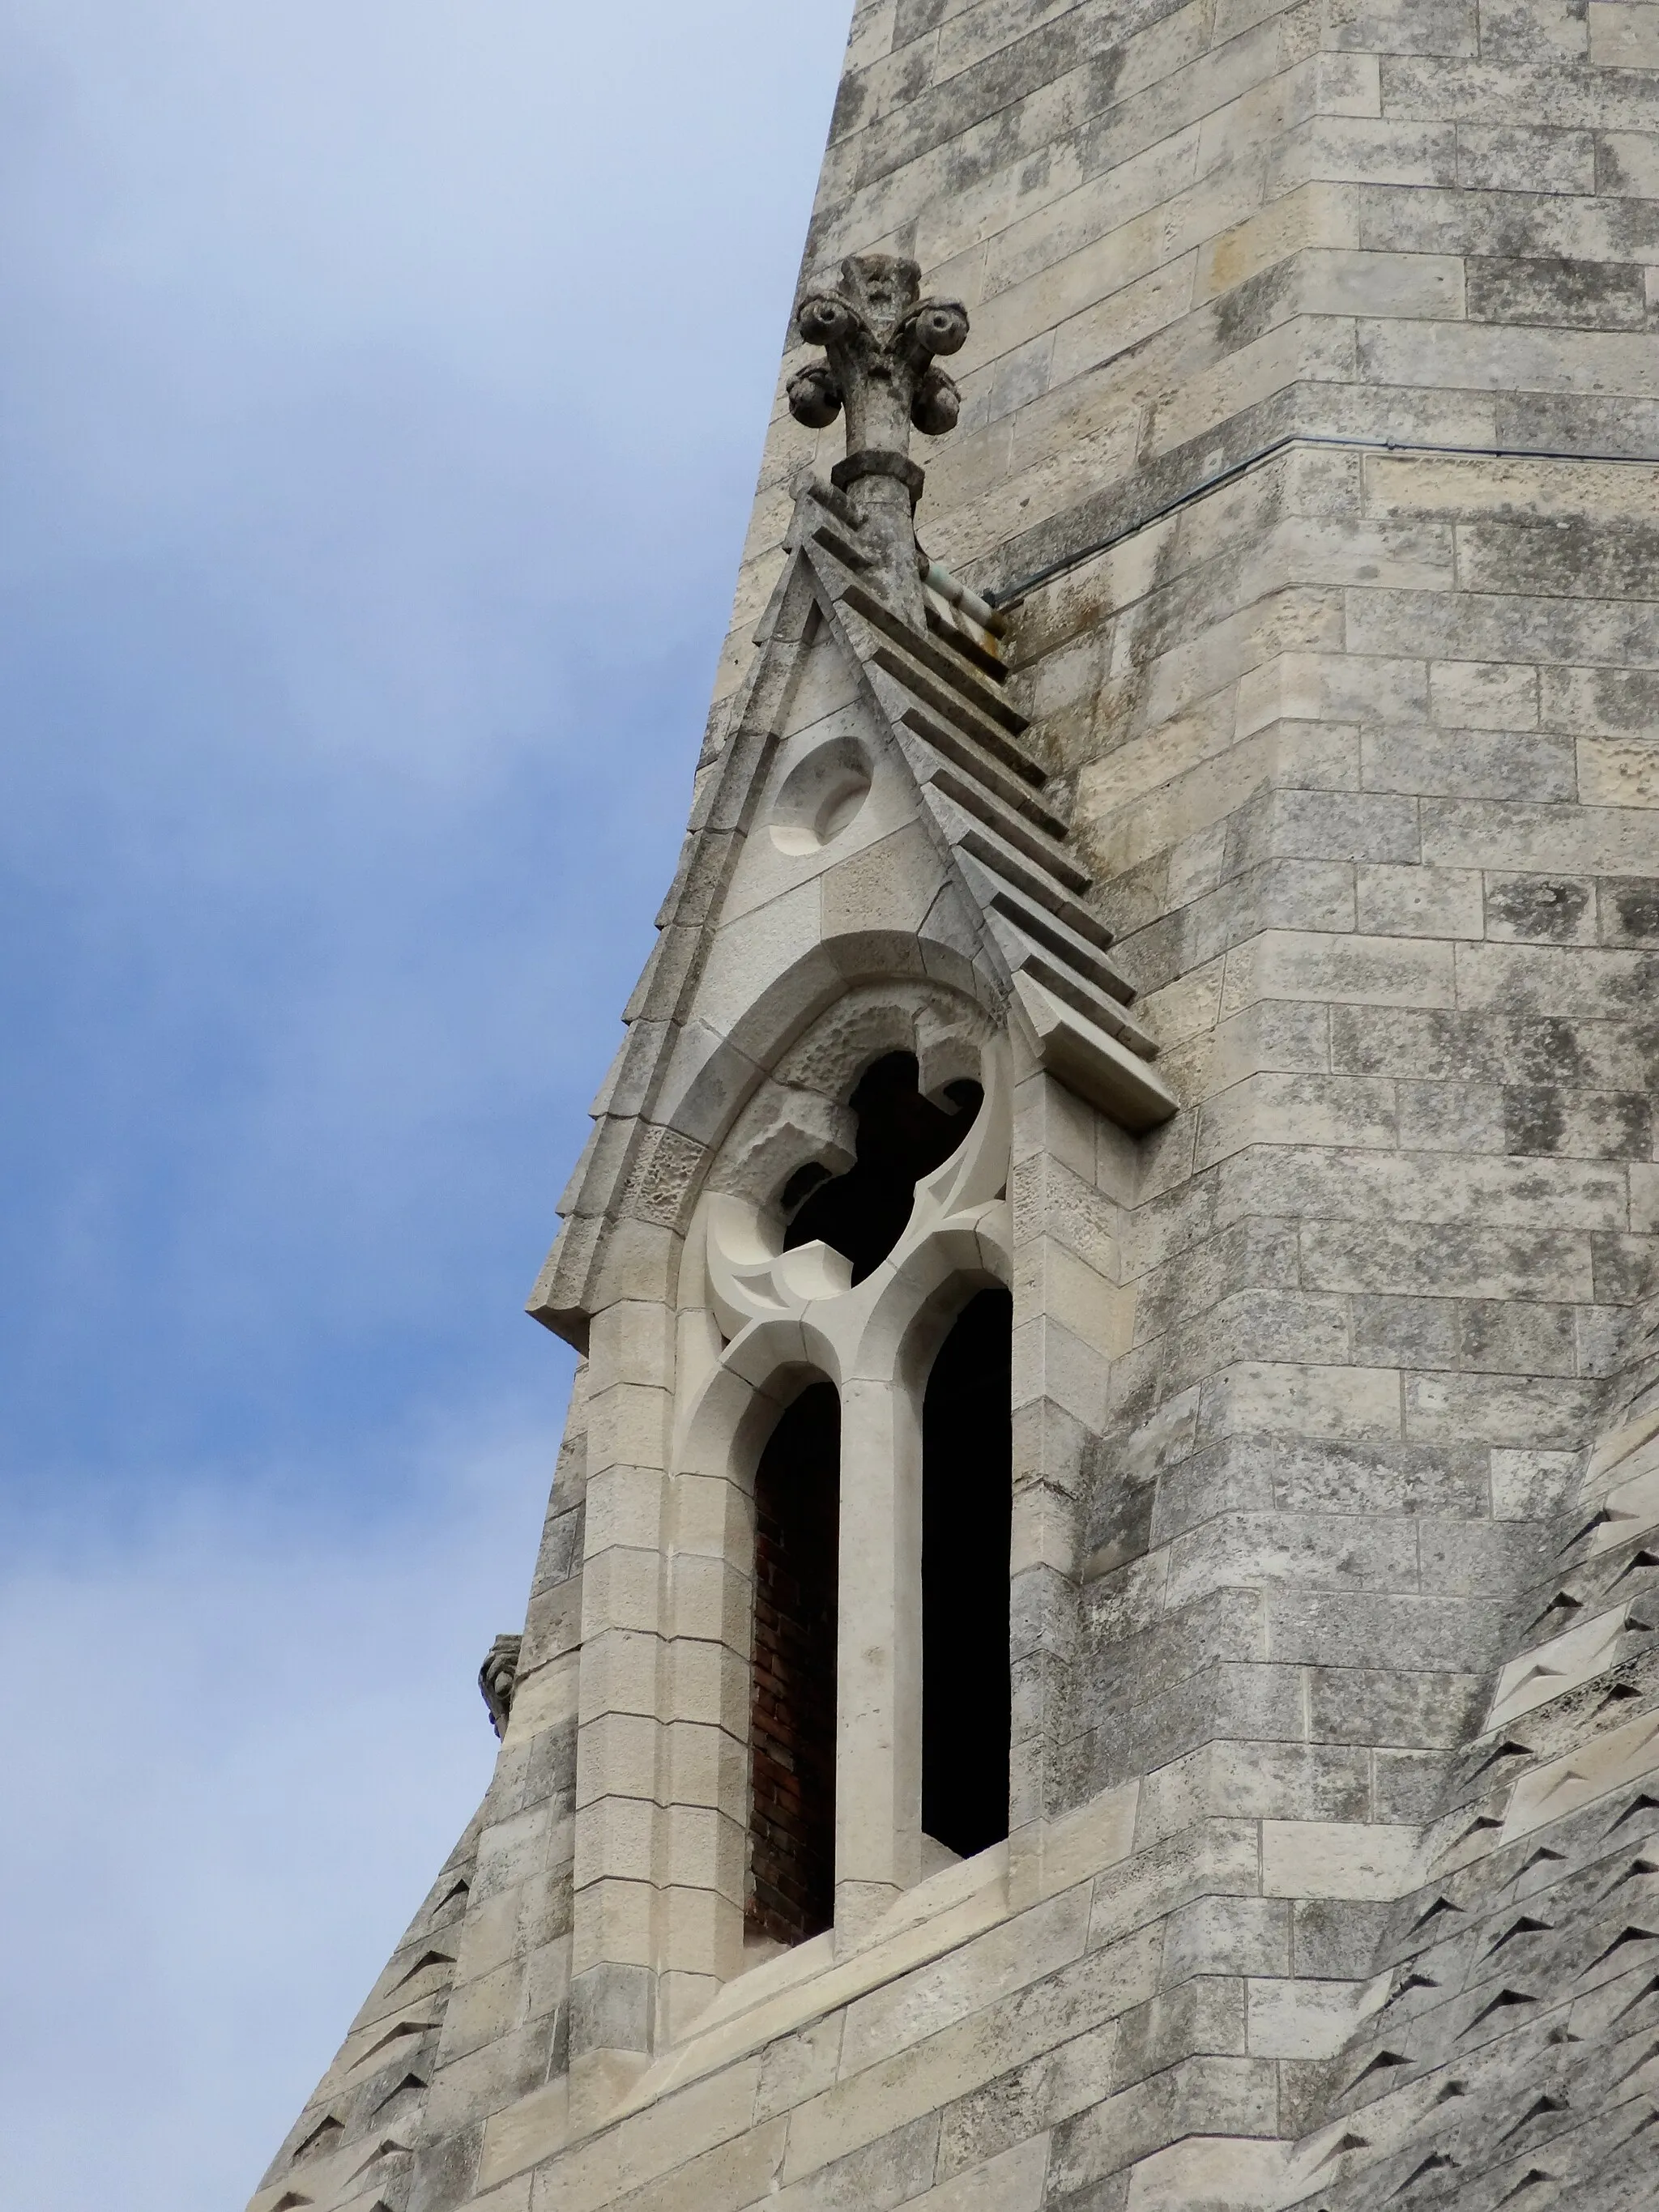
{"type": "Point", "coordinates": [902, 1136]}
{"type": "Point", "coordinates": [861, 1271]}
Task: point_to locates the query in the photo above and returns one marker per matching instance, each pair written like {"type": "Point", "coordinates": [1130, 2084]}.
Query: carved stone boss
{"type": "Point", "coordinates": [498, 1677]}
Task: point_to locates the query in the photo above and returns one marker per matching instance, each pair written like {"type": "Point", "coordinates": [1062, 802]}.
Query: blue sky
{"type": "Point", "coordinates": [381, 389]}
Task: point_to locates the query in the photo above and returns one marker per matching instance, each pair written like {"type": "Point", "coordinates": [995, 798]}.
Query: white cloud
{"type": "Point", "coordinates": [238, 1741]}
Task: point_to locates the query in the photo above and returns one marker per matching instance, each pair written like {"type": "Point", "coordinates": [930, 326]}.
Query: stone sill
{"type": "Point", "coordinates": [941, 1912]}
{"type": "Point", "coordinates": [771, 2000]}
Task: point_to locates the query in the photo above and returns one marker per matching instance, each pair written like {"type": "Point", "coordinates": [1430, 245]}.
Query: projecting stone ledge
{"type": "Point", "coordinates": [1097, 1066]}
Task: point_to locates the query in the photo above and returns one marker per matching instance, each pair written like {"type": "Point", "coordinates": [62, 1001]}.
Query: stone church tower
{"type": "Point", "coordinates": [1094, 1648]}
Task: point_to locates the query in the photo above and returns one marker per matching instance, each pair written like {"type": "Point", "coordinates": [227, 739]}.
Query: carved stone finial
{"type": "Point", "coordinates": [880, 338]}
{"type": "Point", "coordinates": [497, 1679]}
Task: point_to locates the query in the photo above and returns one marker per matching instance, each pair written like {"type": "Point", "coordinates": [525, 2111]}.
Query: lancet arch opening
{"type": "Point", "coordinates": [790, 1894]}
{"type": "Point", "coordinates": [967, 1504]}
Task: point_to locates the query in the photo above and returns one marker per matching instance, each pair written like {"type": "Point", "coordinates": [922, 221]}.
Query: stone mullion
{"type": "Point", "coordinates": [878, 1662]}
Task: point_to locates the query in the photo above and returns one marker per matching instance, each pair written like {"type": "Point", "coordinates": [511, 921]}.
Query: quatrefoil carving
{"type": "Point", "coordinates": [752, 1279]}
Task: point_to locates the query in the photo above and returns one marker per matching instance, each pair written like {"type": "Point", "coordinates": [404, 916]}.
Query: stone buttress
{"type": "Point", "coordinates": [1249, 801]}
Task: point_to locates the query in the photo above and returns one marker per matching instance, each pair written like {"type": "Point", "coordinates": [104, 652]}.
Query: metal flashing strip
{"type": "Point", "coordinates": [1010, 595]}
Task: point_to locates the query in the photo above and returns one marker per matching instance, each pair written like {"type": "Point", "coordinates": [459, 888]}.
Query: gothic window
{"type": "Point", "coordinates": [966, 1515]}
{"type": "Point", "coordinates": [792, 1828]}
{"type": "Point", "coordinates": [855, 1239]}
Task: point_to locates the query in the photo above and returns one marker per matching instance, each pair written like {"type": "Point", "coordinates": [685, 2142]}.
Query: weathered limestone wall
{"type": "Point", "coordinates": [1360, 747]}
{"type": "Point", "coordinates": [1385, 929]}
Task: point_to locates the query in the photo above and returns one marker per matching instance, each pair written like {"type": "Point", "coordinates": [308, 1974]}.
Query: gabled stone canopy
{"type": "Point", "coordinates": [1004, 891]}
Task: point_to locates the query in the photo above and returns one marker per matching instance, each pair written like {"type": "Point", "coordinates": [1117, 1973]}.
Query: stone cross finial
{"type": "Point", "coordinates": [880, 338]}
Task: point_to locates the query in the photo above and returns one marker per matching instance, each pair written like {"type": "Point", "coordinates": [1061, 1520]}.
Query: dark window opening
{"type": "Point", "coordinates": [967, 1512]}
{"type": "Point", "coordinates": [902, 1136]}
{"type": "Point", "coordinates": [791, 1820]}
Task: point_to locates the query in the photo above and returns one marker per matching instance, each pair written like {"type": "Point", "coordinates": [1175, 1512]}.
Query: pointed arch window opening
{"type": "Point", "coordinates": [790, 1894]}
{"type": "Point", "coordinates": [959, 1580]}
{"type": "Point", "coordinates": [858, 1331]}
{"type": "Point", "coordinates": [966, 1512]}
{"type": "Point", "coordinates": [965, 1687]}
